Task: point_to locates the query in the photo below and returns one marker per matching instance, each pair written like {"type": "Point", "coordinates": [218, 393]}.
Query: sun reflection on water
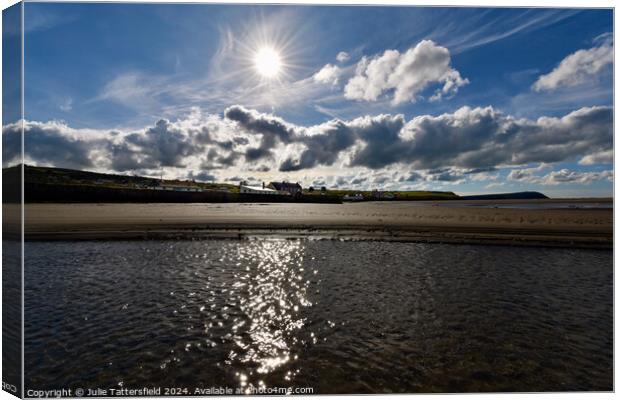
{"type": "Point", "coordinates": [274, 292]}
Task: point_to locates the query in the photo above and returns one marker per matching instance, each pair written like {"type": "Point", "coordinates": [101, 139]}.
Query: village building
{"type": "Point", "coordinates": [257, 190]}
{"type": "Point", "coordinates": [381, 195]}
{"type": "Point", "coordinates": [179, 188]}
{"type": "Point", "coordinates": [286, 187]}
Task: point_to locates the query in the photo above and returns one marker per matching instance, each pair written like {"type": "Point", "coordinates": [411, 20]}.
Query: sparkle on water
{"type": "Point", "coordinates": [273, 295]}
{"type": "Point", "coordinates": [269, 294]}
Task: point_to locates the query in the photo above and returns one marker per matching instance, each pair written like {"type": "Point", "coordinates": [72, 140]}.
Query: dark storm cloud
{"type": "Point", "coordinates": [240, 140]}
{"type": "Point", "coordinates": [482, 138]}
{"type": "Point", "coordinates": [475, 140]}
{"type": "Point", "coordinates": [229, 159]}
{"type": "Point", "coordinates": [263, 151]}
{"type": "Point", "coordinates": [203, 136]}
{"type": "Point", "coordinates": [382, 141]}
{"type": "Point", "coordinates": [163, 145]}
{"type": "Point", "coordinates": [582, 132]}
{"type": "Point", "coordinates": [323, 148]}
{"type": "Point", "coordinates": [203, 176]}
{"type": "Point", "coordinates": [122, 158]}
{"type": "Point", "coordinates": [324, 143]}
{"type": "Point", "coordinates": [444, 175]}
{"type": "Point", "coordinates": [381, 179]}
{"type": "Point", "coordinates": [240, 179]}
{"type": "Point", "coordinates": [256, 122]}
{"type": "Point", "coordinates": [272, 129]}
{"type": "Point", "coordinates": [480, 170]}
{"type": "Point", "coordinates": [412, 177]}
{"type": "Point", "coordinates": [11, 144]}
{"type": "Point", "coordinates": [45, 144]}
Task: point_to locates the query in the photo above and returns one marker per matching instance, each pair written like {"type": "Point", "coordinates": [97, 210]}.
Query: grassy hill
{"type": "Point", "coordinates": [390, 195]}
{"type": "Point", "coordinates": [63, 176]}
{"type": "Point", "coordinates": [58, 185]}
{"type": "Point", "coordinates": [72, 180]}
{"type": "Point", "coordinates": [507, 196]}
{"type": "Point", "coordinates": [70, 177]}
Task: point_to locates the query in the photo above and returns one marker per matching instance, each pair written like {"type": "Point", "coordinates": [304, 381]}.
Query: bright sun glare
{"type": "Point", "coordinates": [267, 62]}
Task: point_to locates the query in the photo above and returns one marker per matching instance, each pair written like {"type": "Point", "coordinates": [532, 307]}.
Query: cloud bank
{"type": "Point", "coordinates": [469, 144]}
{"type": "Point", "coordinates": [563, 175]}
{"type": "Point", "coordinates": [468, 138]}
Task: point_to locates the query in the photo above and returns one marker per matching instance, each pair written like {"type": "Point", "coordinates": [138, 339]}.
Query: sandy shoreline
{"type": "Point", "coordinates": [393, 221]}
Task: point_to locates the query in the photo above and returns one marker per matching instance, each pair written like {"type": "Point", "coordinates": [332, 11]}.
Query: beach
{"type": "Point", "coordinates": [550, 223]}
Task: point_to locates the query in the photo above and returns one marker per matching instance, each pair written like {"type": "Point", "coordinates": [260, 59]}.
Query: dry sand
{"type": "Point", "coordinates": [402, 221]}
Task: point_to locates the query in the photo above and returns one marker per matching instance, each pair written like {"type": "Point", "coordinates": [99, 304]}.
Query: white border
{"type": "Point", "coordinates": [458, 3]}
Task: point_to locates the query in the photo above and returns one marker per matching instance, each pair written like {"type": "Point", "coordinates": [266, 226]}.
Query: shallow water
{"type": "Point", "coordinates": [356, 317]}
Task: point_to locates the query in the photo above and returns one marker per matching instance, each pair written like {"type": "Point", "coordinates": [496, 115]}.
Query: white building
{"type": "Point", "coordinates": [256, 190]}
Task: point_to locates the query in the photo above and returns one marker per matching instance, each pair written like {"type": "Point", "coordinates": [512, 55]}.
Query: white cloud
{"type": "Point", "coordinates": [328, 74]}
{"type": "Point", "coordinates": [405, 75]}
{"type": "Point", "coordinates": [568, 176]}
{"type": "Point", "coordinates": [579, 67]}
{"type": "Point", "coordinates": [526, 174]}
{"type": "Point", "coordinates": [559, 177]}
{"type": "Point", "coordinates": [603, 157]}
{"type": "Point", "coordinates": [343, 56]}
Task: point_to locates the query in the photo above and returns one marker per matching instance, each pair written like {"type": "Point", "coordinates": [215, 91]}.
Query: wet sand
{"type": "Point", "coordinates": [460, 222]}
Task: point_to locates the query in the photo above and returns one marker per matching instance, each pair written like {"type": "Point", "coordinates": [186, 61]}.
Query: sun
{"type": "Point", "coordinates": [267, 62]}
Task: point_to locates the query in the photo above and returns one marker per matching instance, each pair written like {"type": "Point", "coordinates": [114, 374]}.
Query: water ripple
{"type": "Point", "coordinates": [356, 317]}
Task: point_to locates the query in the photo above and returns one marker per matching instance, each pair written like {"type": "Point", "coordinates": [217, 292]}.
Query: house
{"type": "Point", "coordinates": [178, 188]}
{"type": "Point", "coordinates": [286, 187]}
{"type": "Point", "coordinates": [353, 197]}
{"type": "Point", "coordinates": [257, 190]}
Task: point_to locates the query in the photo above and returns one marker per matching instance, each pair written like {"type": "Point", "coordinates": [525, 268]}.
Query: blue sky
{"type": "Point", "coordinates": [462, 99]}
